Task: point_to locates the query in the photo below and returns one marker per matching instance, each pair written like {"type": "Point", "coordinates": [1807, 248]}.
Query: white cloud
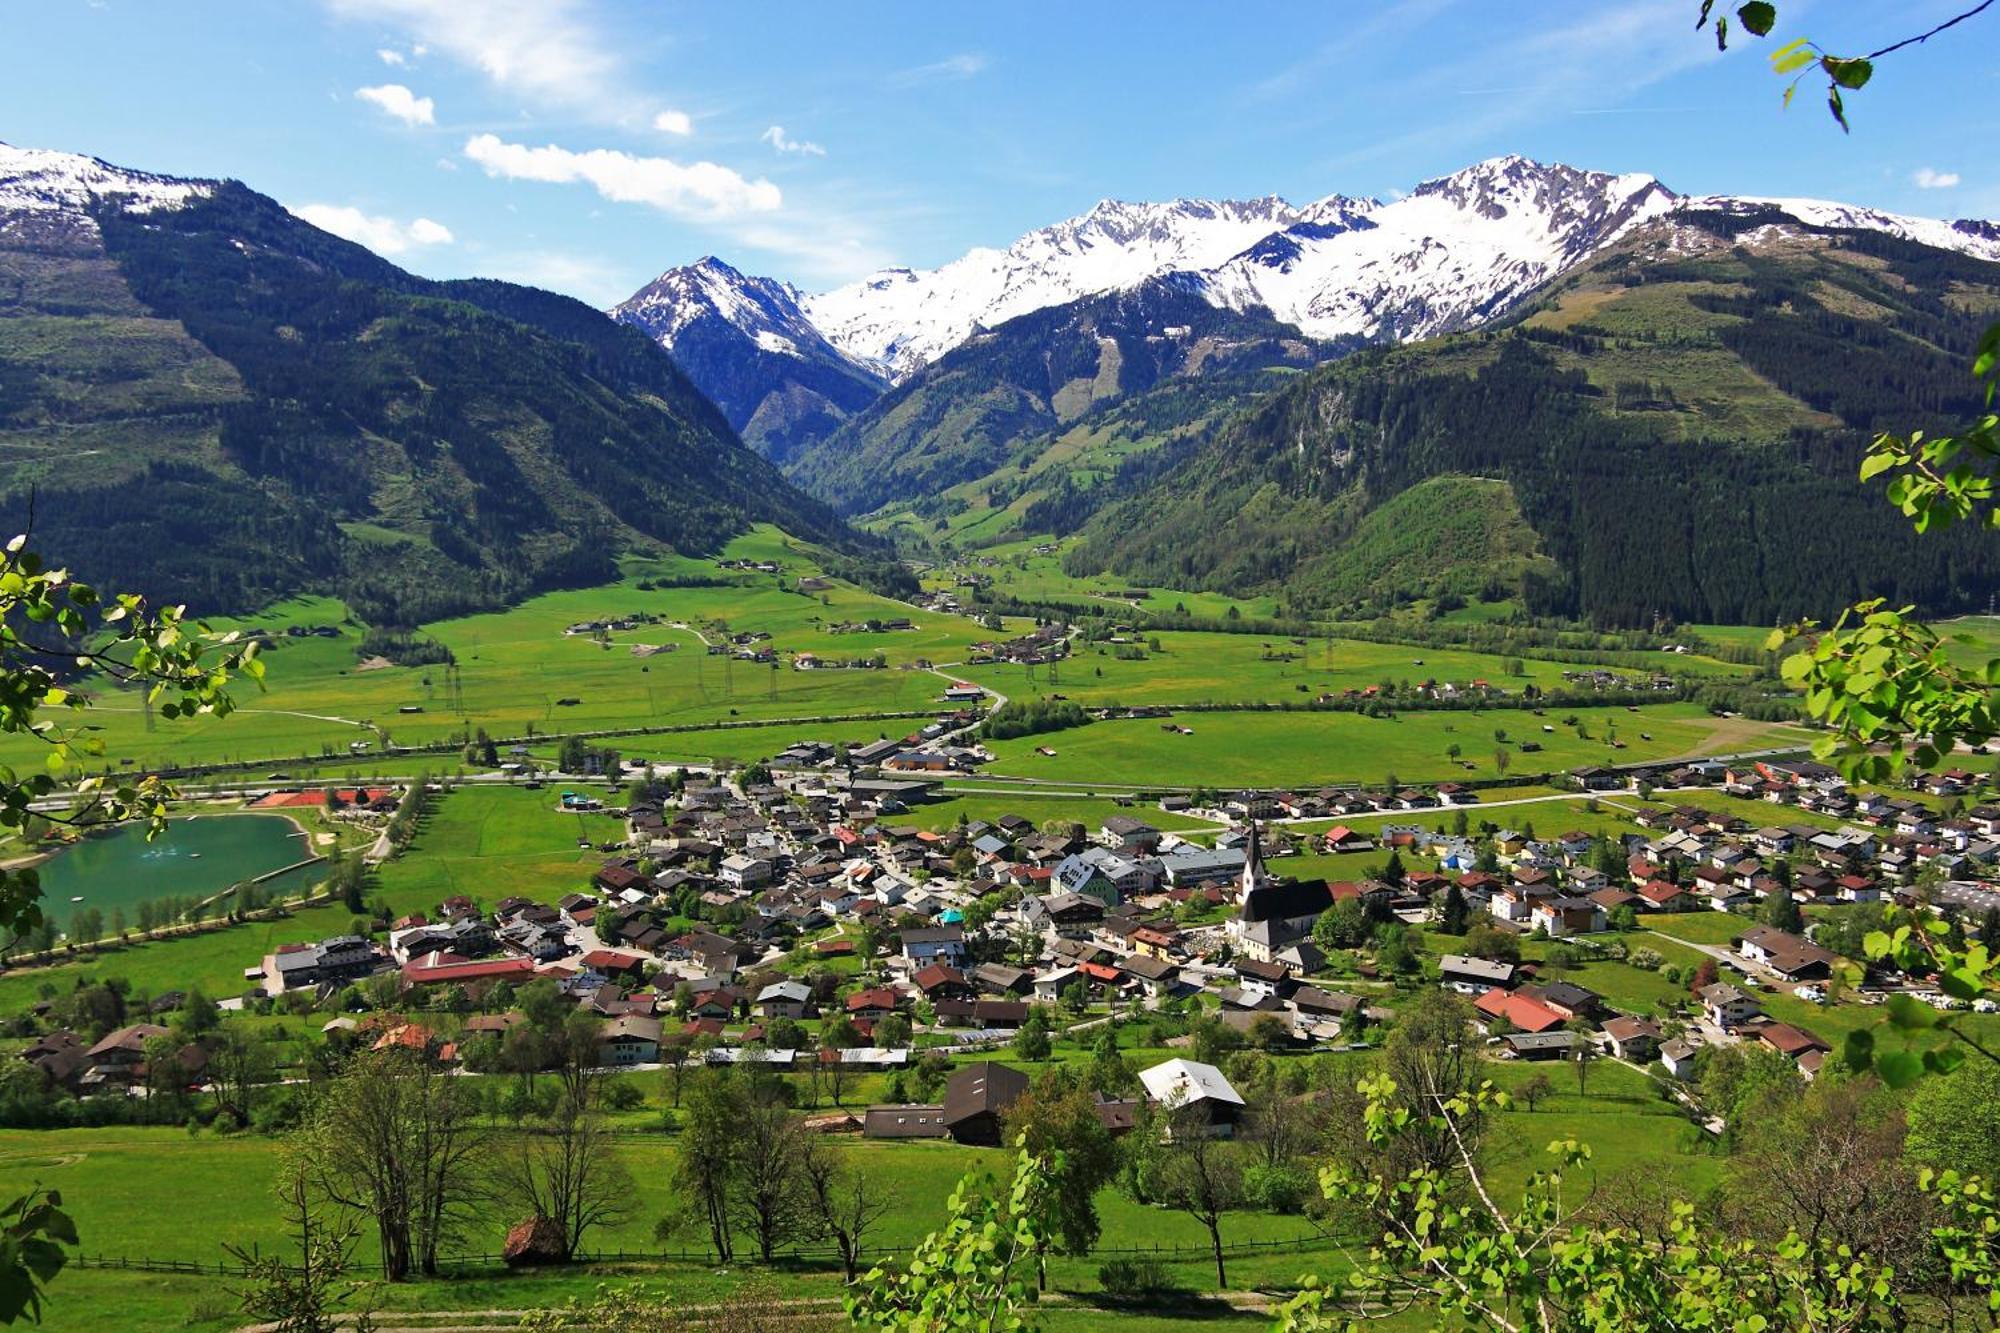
{"type": "Point", "coordinates": [961, 66]}
{"type": "Point", "coordinates": [785, 143]}
{"type": "Point", "coordinates": [1929, 179]}
{"type": "Point", "coordinates": [544, 49]}
{"type": "Point", "coordinates": [697, 190]}
{"type": "Point", "coordinates": [674, 122]}
{"type": "Point", "coordinates": [401, 103]}
{"type": "Point", "coordinates": [383, 235]}
{"type": "Point", "coordinates": [389, 56]}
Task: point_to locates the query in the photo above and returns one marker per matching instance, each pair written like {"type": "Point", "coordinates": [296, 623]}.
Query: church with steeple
{"type": "Point", "coordinates": [1254, 875]}
{"type": "Point", "coordinates": [1271, 913]}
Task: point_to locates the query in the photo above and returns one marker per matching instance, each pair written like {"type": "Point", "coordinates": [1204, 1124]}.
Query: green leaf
{"type": "Point", "coordinates": [1791, 57]}
{"type": "Point", "coordinates": [1899, 1069]}
{"type": "Point", "coordinates": [1758, 17]}
{"type": "Point", "coordinates": [1860, 1052]}
{"type": "Point", "coordinates": [1910, 1015]}
{"type": "Point", "coordinates": [1848, 73]}
{"type": "Point", "coordinates": [1958, 986]}
{"type": "Point", "coordinates": [1944, 1059]}
{"type": "Point", "coordinates": [1876, 464]}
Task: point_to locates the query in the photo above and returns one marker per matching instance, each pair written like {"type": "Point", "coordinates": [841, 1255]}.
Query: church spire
{"type": "Point", "coordinates": [1253, 866]}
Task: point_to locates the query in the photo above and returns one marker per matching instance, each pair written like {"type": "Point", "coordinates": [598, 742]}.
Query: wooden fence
{"type": "Point", "coordinates": [469, 1263]}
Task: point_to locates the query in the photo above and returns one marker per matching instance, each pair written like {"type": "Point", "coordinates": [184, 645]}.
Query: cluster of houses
{"type": "Point", "coordinates": [1530, 1019]}
{"type": "Point", "coordinates": [736, 908]}
{"type": "Point", "coordinates": [977, 1098]}
{"type": "Point", "coordinates": [119, 1062]}
{"type": "Point", "coordinates": [1043, 644]}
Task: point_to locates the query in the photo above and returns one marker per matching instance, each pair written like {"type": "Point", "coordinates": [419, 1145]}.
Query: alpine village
{"type": "Point", "coordinates": [1420, 759]}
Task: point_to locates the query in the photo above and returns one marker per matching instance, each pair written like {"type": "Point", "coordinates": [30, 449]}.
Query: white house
{"type": "Point", "coordinates": [1184, 1084]}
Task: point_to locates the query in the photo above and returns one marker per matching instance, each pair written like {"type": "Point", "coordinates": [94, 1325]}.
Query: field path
{"type": "Point", "coordinates": [276, 712]}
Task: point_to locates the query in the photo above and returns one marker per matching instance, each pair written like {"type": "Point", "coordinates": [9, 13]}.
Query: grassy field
{"type": "Point", "coordinates": [1711, 928]}
{"type": "Point", "coordinates": [99, 1172]}
{"type": "Point", "coordinates": [1272, 748]}
{"type": "Point", "coordinates": [512, 668]}
{"type": "Point", "coordinates": [1040, 806]}
{"type": "Point", "coordinates": [1202, 668]}
{"type": "Point", "coordinates": [1032, 571]}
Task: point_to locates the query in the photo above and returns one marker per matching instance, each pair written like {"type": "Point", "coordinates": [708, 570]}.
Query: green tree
{"type": "Point", "coordinates": [1781, 911]}
{"type": "Point", "coordinates": [1454, 913]}
{"type": "Point", "coordinates": [1199, 1172]}
{"type": "Point", "coordinates": [1392, 872]}
{"type": "Point", "coordinates": [705, 1164]}
{"type": "Point", "coordinates": [304, 1295]}
{"type": "Point", "coordinates": [1541, 1264]}
{"type": "Point", "coordinates": [1954, 1121]}
{"type": "Point", "coordinates": [1344, 925]}
{"type": "Point", "coordinates": [1031, 1040]}
{"type": "Point", "coordinates": [968, 1274]}
{"type": "Point", "coordinates": [1056, 1121]}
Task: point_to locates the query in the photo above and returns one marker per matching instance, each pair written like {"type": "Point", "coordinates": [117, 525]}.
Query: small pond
{"type": "Point", "coordinates": [197, 855]}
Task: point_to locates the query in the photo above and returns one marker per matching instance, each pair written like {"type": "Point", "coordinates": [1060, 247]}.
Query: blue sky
{"type": "Point", "coordinates": [585, 145]}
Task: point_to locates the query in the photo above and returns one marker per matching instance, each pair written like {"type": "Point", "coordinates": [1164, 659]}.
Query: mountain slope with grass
{"type": "Point", "coordinates": [982, 406]}
{"type": "Point", "coordinates": [203, 396]}
{"type": "Point", "coordinates": [1678, 422]}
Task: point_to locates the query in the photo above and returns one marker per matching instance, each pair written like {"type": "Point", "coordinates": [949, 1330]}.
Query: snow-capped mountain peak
{"type": "Point", "coordinates": [36, 180]}
{"type": "Point", "coordinates": [762, 309]}
{"type": "Point", "coordinates": [1456, 251]}
{"type": "Point", "coordinates": [1453, 252]}
{"type": "Point", "coordinates": [901, 319]}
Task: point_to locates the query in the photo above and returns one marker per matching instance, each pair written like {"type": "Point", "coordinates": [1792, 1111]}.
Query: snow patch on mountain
{"type": "Point", "coordinates": [765, 311]}
{"type": "Point", "coordinates": [1454, 252]}
{"type": "Point", "coordinates": [902, 319]}
{"type": "Point", "coordinates": [35, 180]}
{"type": "Point", "coordinates": [1968, 236]}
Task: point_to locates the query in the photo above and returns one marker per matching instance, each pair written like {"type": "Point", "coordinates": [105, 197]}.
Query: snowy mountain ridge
{"type": "Point", "coordinates": [37, 180]}
{"type": "Point", "coordinates": [1454, 252]}
{"type": "Point", "coordinates": [902, 319]}
{"type": "Point", "coordinates": [764, 309]}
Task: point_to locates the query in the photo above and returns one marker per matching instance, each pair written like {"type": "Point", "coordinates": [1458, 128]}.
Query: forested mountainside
{"type": "Point", "coordinates": [215, 402]}
{"type": "Point", "coordinates": [1679, 423]}
{"type": "Point", "coordinates": [969, 413]}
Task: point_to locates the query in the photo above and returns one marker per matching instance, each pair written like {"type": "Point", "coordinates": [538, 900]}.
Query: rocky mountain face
{"type": "Point", "coordinates": [216, 402]}
{"type": "Point", "coordinates": [747, 344]}
{"type": "Point", "coordinates": [1452, 254]}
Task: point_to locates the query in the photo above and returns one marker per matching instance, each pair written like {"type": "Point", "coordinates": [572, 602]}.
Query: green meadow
{"type": "Point", "coordinates": [114, 1181]}
{"type": "Point", "coordinates": [1193, 667]}
{"type": "Point", "coordinates": [1306, 748]}
{"type": "Point", "coordinates": [517, 672]}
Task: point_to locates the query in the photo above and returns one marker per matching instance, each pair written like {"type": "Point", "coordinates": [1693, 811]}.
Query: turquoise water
{"type": "Point", "coordinates": [200, 855]}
